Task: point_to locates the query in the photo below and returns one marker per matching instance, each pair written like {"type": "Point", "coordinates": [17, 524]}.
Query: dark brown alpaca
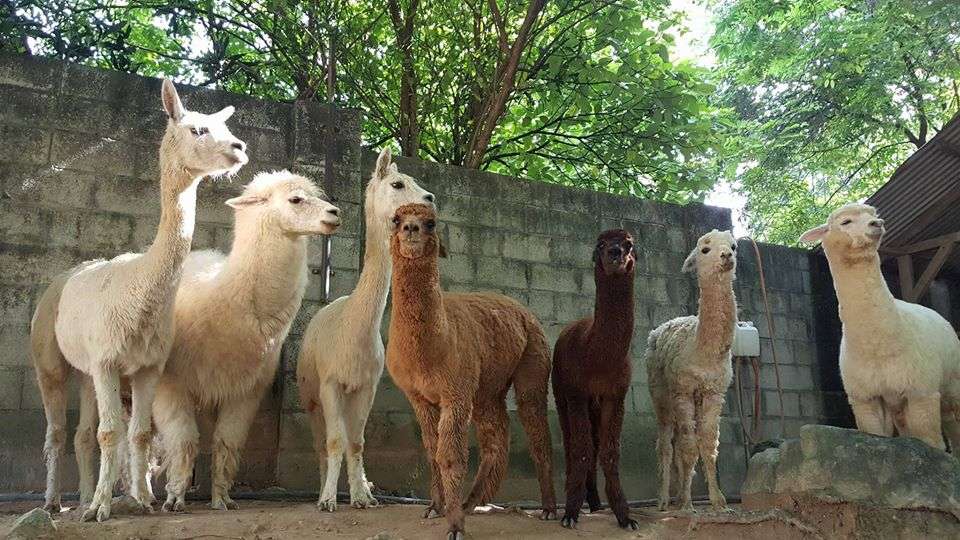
{"type": "Point", "coordinates": [455, 356]}
{"type": "Point", "coordinates": [591, 376]}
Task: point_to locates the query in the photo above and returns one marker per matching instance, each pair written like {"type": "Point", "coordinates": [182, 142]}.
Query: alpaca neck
{"type": "Point", "coordinates": [613, 312]}
{"type": "Point", "coordinates": [366, 304]}
{"type": "Point", "coordinates": [716, 313]}
{"type": "Point", "coordinates": [861, 293]}
{"type": "Point", "coordinates": [178, 206]}
{"type": "Point", "coordinates": [266, 270]}
{"type": "Point", "coordinates": [418, 312]}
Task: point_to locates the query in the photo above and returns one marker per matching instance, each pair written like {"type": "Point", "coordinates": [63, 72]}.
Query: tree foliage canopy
{"type": "Point", "coordinates": [581, 92]}
{"type": "Point", "coordinates": [830, 96]}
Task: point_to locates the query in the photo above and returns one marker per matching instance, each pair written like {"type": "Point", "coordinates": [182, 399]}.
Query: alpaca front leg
{"type": "Point", "coordinates": [922, 419]}
{"type": "Point", "coordinates": [580, 451]}
{"type": "Point", "coordinates": [708, 438]}
{"type": "Point", "coordinates": [871, 416]}
{"type": "Point", "coordinates": [493, 440]}
{"type": "Point", "coordinates": [53, 387]}
{"type": "Point", "coordinates": [357, 411]}
{"type": "Point", "coordinates": [452, 459]}
{"type": "Point", "coordinates": [107, 386]}
{"type": "Point", "coordinates": [331, 401]}
{"type": "Point", "coordinates": [143, 385]}
{"type": "Point", "coordinates": [428, 416]}
{"type": "Point", "coordinates": [174, 412]}
{"type": "Point", "coordinates": [233, 422]}
{"type": "Point", "coordinates": [611, 424]}
{"type": "Point", "coordinates": [686, 448]}
{"type": "Point", "coordinates": [85, 441]}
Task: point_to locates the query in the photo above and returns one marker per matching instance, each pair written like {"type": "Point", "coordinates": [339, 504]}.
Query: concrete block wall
{"type": "Point", "coordinates": [79, 180]}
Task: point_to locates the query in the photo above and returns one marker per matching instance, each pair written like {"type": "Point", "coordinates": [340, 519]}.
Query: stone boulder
{"type": "Point", "coordinates": [34, 525]}
{"type": "Point", "coordinates": [844, 465]}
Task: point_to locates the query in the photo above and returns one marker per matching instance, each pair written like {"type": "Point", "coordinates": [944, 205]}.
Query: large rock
{"type": "Point", "coordinates": [834, 466]}
{"type": "Point", "coordinates": [34, 525]}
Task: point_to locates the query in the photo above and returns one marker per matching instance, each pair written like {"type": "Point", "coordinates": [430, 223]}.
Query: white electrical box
{"type": "Point", "coordinates": [746, 340]}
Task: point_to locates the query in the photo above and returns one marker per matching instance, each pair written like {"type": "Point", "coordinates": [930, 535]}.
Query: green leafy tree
{"type": "Point", "coordinates": [579, 92]}
{"type": "Point", "coordinates": [829, 97]}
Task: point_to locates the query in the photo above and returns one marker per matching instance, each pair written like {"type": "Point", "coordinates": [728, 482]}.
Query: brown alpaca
{"type": "Point", "coordinates": [591, 376]}
{"type": "Point", "coordinates": [455, 356]}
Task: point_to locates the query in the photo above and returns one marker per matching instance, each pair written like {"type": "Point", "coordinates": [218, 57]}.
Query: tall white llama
{"type": "Point", "coordinates": [113, 319]}
{"type": "Point", "coordinates": [232, 314]}
{"type": "Point", "coordinates": [900, 362]}
{"type": "Point", "coordinates": [689, 367]}
{"type": "Point", "coordinates": [341, 357]}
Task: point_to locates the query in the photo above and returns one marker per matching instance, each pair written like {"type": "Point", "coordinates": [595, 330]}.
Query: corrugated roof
{"type": "Point", "coordinates": [922, 199]}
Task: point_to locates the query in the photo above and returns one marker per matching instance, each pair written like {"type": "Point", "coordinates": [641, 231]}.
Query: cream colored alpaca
{"type": "Point", "coordinates": [113, 319]}
{"type": "Point", "coordinates": [689, 369]}
{"type": "Point", "coordinates": [232, 315]}
{"type": "Point", "coordinates": [341, 357]}
{"type": "Point", "coordinates": [900, 362]}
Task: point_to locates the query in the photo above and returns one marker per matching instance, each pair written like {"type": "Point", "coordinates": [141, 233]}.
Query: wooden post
{"type": "Point", "coordinates": [905, 264]}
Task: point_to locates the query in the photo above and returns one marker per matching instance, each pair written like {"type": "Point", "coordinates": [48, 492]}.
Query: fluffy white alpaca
{"type": "Point", "coordinates": [232, 315]}
{"type": "Point", "coordinates": [113, 319]}
{"type": "Point", "coordinates": [900, 362]}
{"type": "Point", "coordinates": [689, 369]}
{"type": "Point", "coordinates": [341, 357]}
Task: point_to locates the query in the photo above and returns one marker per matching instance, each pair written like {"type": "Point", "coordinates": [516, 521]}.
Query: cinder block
{"type": "Point", "coordinates": [15, 303]}
{"type": "Point", "coordinates": [108, 233]}
{"type": "Point", "coordinates": [573, 307]}
{"type": "Point", "coordinates": [24, 144]}
{"type": "Point", "coordinates": [128, 195]}
{"type": "Point", "coordinates": [791, 403]}
{"type": "Point", "coordinates": [457, 268]}
{"type": "Point", "coordinates": [810, 405]}
{"type": "Point", "coordinates": [25, 107]}
{"type": "Point", "coordinates": [23, 224]}
{"type": "Point", "coordinates": [496, 272]}
{"type": "Point", "coordinates": [32, 72]}
{"type": "Point", "coordinates": [542, 305]}
{"type": "Point", "coordinates": [534, 248]}
{"type": "Point", "coordinates": [552, 278]}
{"type": "Point", "coordinates": [11, 383]}
{"type": "Point", "coordinates": [14, 344]}
{"type": "Point", "coordinates": [102, 155]}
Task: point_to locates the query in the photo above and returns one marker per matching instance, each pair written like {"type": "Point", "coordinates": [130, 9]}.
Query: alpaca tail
{"type": "Point", "coordinates": [530, 386]}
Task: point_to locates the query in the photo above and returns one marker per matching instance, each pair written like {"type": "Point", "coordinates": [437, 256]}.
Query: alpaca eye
{"type": "Point", "coordinates": [430, 225]}
{"type": "Point", "coordinates": [628, 247]}
{"type": "Point", "coordinates": [847, 222]}
{"type": "Point", "coordinates": [733, 247]}
{"type": "Point", "coordinates": [198, 131]}
{"type": "Point", "coordinates": [705, 250]}
{"type": "Point", "coordinates": [396, 220]}
{"type": "Point", "coordinates": [295, 200]}
{"type": "Point", "coordinates": [397, 185]}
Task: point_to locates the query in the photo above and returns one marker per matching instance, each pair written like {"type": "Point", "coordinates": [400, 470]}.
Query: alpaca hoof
{"type": "Point", "coordinates": [629, 523]}
{"type": "Point", "coordinates": [99, 512]}
{"type": "Point", "coordinates": [568, 522]}
{"type": "Point", "coordinates": [327, 505]}
{"type": "Point", "coordinates": [548, 515]}
{"type": "Point", "coordinates": [224, 503]}
{"type": "Point", "coordinates": [172, 505]}
{"type": "Point", "coordinates": [364, 502]}
{"type": "Point", "coordinates": [432, 512]}
{"type": "Point", "coordinates": [455, 535]}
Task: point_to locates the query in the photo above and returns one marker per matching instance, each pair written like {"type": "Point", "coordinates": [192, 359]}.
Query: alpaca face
{"type": "Point", "coordinates": [615, 252]}
{"type": "Point", "coordinates": [389, 189]}
{"type": "Point", "coordinates": [201, 143]}
{"type": "Point", "coordinates": [289, 202]}
{"type": "Point", "coordinates": [715, 254]}
{"type": "Point", "coordinates": [415, 231]}
{"type": "Point", "coordinates": [851, 228]}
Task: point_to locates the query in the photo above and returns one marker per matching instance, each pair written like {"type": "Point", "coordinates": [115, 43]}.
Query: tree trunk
{"type": "Point", "coordinates": [409, 125]}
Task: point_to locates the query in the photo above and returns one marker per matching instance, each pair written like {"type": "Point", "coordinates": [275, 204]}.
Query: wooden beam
{"type": "Point", "coordinates": [931, 271]}
{"type": "Point", "coordinates": [924, 245]}
{"type": "Point", "coordinates": [905, 264]}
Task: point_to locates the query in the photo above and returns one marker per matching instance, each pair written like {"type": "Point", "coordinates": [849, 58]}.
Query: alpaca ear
{"type": "Point", "coordinates": [171, 101]}
{"type": "Point", "coordinates": [815, 234]}
{"type": "Point", "coordinates": [690, 264]}
{"type": "Point", "coordinates": [224, 113]}
{"type": "Point", "coordinates": [383, 163]}
{"type": "Point", "coordinates": [245, 201]}
{"type": "Point", "coordinates": [596, 254]}
{"type": "Point", "coordinates": [441, 250]}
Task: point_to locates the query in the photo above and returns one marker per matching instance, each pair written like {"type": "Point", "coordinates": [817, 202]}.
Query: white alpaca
{"type": "Point", "coordinates": [113, 319]}
{"type": "Point", "coordinates": [232, 315]}
{"type": "Point", "coordinates": [341, 357]}
{"type": "Point", "coordinates": [900, 362]}
{"type": "Point", "coordinates": [689, 369]}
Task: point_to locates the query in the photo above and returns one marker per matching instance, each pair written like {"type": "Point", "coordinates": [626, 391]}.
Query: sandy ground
{"type": "Point", "coordinates": [261, 520]}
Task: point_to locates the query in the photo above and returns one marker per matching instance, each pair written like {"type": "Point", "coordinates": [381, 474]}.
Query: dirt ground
{"type": "Point", "coordinates": [261, 520]}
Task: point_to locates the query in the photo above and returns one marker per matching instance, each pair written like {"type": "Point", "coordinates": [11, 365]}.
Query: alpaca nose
{"type": "Point", "coordinates": [334, 211]}
{"type": "Point", "coordinates": [615, 252]}
{"type": "Point", "coordinates": [411, 227]}
{"type": "Point", "coordinates": [726, 255]}
{"type": "Point", "coordinates": [876, 223]}
{"type": "Point", "coordinates": [428, 197]}
{"type": "Point", "coordinates": [239, 145]}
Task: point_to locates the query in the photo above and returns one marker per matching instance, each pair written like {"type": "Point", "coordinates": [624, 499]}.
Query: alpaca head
{"type": "Point", "coordinates": [287, 202]}
{"type": "Point", "coordinates": [389, 189]}
{"type": "Point", "coordinates": [714, 255]}
{"type": "Point", "coordinates": [415, 232]}
{"type": "Point", "coordinates": [614, 254]}
{"type": "Point", "coordinates": [853, 230]}
{"type": "Point", "coordinates": [199, 143]}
